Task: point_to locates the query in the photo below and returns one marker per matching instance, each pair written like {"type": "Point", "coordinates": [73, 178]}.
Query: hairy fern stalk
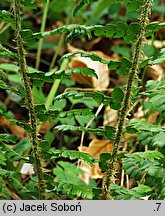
{"type": "Point", "coordinates": [109, 174]}
{"type": "Point", "coordinates": [29, 101]}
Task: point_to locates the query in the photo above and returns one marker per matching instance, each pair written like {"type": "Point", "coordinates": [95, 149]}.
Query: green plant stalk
{"type": "Point", "coordinates": [57, 51]}
{"type": "Point", "coordinates": [110, 173]}
{"type": "Point", "coordinates": [29, 101]}
{"type": "Point", "coordinates": [58, 48]}
{"type": "Point", "coordinates": [53, 90]}
{"type": "Point", "coordinates": [55, 86]}
{"type": "Point", "coordinates": [42, 30]}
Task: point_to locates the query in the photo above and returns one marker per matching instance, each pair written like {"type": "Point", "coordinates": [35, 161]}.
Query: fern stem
{"type": "Point", "coordinates": [29, 100]}
{"type": "Point", "coordinates": [58, 48]}
{"type": "Point", "coordinates": [55, 86]}
{"type": "Point", "coordinates": [109, 174]}
{"type": "Point", "coordinates": [42, 30]}
{"type": "Point", "coordinates": [57, 52]}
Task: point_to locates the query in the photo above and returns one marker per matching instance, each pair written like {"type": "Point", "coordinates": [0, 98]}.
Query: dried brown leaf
{"type": "Point", "coordinates": [110, 116]}
{"type": "Point", "coordinates": [101, 70]}
{"type": "Point", "coordinates": [95, 148]}
{"type": "Point", "coordinates": [15, 129]}
{"type": "Point", "coordinates": [155, 72]}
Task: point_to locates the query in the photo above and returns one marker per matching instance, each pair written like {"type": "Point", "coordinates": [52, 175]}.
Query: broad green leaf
{"type": "Point", "coordinates": [117, 94]}
{"type": "Point", "coordinates": [121, 50]}
{"type": "Point", "coordinates": [117, 98]}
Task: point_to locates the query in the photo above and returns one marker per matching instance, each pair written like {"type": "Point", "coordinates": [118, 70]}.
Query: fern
{"type": "Point", "coordinates": [149, 134]}
{"type": "Point", "coordinates": [147, 169]}
{"type": "Point", "coordinates": [92, 56]}
{"type": "Point", "coordinates": [50, 76]}
{"type": "Point", "coordinates": [4, 86]}
{"type": "Point", "coordinates": [97, 96]}
{"type": "Point", "coordinates": [43, 114]}
{"type": "Point", "coordinates": [118, 30]}
{"type": "Point", "coordinates": [157, 183]}
{"type": "Point", "coordinates": [71, 190]}
{"type": "Point", "coordinates": [85, 71]}
{"type": "Point", "coordinates": [80, 5]}
{"type": "Point", "coordinates": [7, 17]}
{"type": "Point", "coordinates": [12, 181]}
{"type": "Point", "coordinates": [70, 182]}
{"type": "Point", "coordinates": [71, 30]}
{"type": "Point", "coordinates": [151, 165]}
{"type": "Point", "coordinates": [8, 138]}
{"type": "Point", "coordinates": [139, 163]}
{"type": "Point", "coordinates": [142, 125]}
{"type": "Point", "coordinates": [105, 131]}
{"type": "Point", "coordinates": [160, 58]}
{"type": "Point", "coordinates": [10, 117]}
{"type": "Point", "coordinates": [10, 154]}
{"type": "Point", "coordinates": [29, 4]}
{"type": "Point", "coordinates": [6, 52]}
{"type": "Point", "coordinates": [155, 91]}
{"type": "Point", "coordinates": [139, 192]}
{"type": "Point", "coordinates": [72, 155]}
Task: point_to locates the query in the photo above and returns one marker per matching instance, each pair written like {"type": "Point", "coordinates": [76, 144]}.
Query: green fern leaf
{"type": "Point", "coordinates": [97, 96]}
{"type": "Point", "coordinates": [85, 71]}
{"type": "Point", "coordinates": [80, 5]}
{"type": "Point", "coordinates": [6, 52]}
{"type": "Point", "coordinates": [72, 155]}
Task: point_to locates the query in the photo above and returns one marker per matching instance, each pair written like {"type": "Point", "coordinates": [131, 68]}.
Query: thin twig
{"type": "Point", "coordinates": [123, 172]}
{"type": "Point", "coordinates": [142, 179]}
{"type": "Point", "coordinates": [127, 181]}
{"type": "Point", "coordinates": [5, 28]}
{"type": "Point", "coordinates": [122, 178]}
{"type": "Point", "coordinates": [89, 123]}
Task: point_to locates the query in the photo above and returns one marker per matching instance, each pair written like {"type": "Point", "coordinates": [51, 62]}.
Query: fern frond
{"type": "Point", "coordinates": [72, 155]}
{"type": "Point", "coordinates": [80, 5]}
{"type": "Point", "coordinates": [92, 56]}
